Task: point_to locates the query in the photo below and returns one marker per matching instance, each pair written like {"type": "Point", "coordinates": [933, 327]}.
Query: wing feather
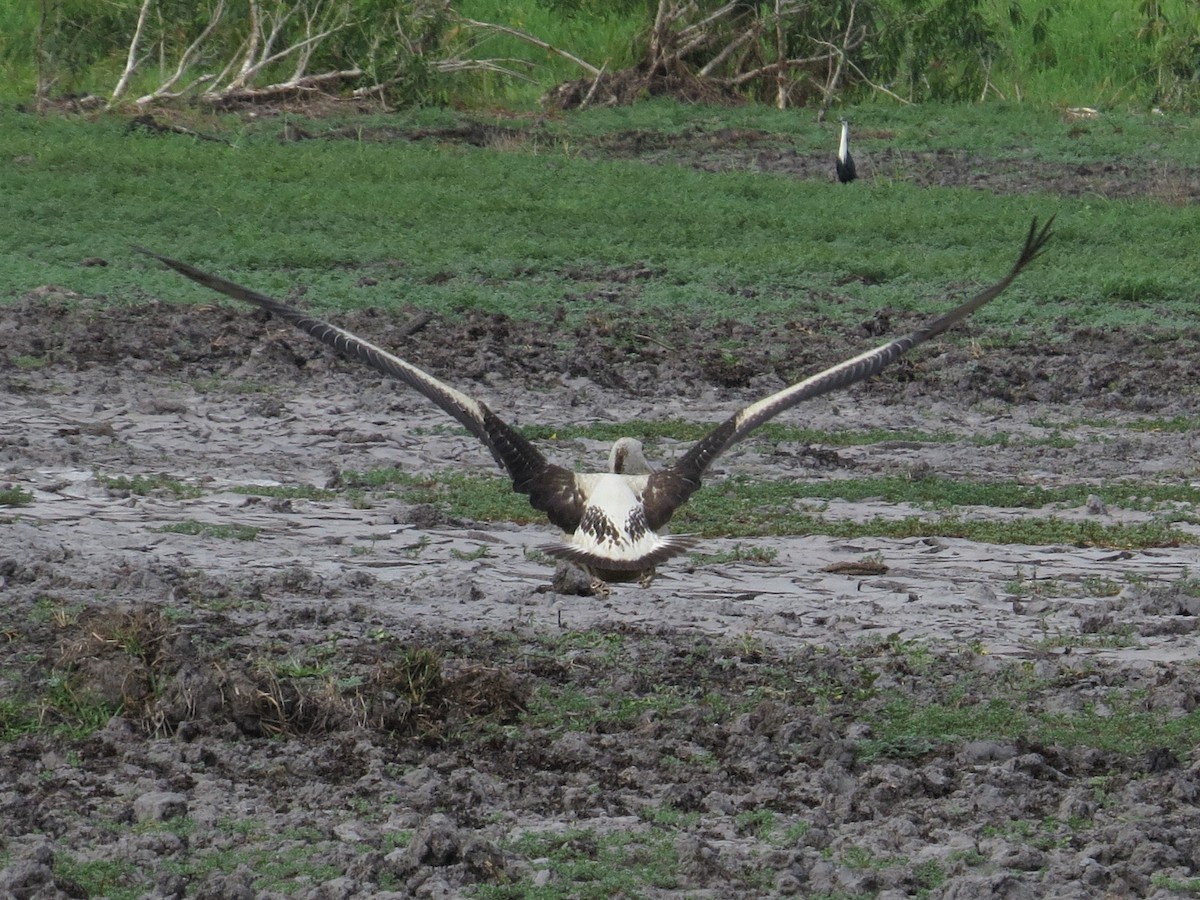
{"type": "Point", "coordinates": [670, 488]}
{"type": "Point", "coordinates": [551, 488]}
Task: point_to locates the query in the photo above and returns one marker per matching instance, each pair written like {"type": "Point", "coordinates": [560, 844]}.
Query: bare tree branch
{"type": "Point", "coordinates": [836, 77]}
{"type": "Point", "coordinates": [867, 81]}
{"type": "Point", "coordinates": [186, 60]}
{"type": "Point", "coordinates": [771, 68]}
{"type": "Point", "coordinates": [727, 51]}
{"type": "Point", "coordinates": [291, 86]}
{"type": "Point", "coordinates": [530, 39]}
{"type": "Point", "coordinates": [586, 101]}
{"type": "Point", "coordinates": [131, 60]}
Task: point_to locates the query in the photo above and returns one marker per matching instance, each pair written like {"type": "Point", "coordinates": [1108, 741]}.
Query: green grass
{"type": "Point", "coordinates": [772, 432]}
{"type": "Point", "coordinates": [595, 865]}
{"type": "Point", "coordinates": [599, 40]}
{"type": "Point", "coordinates": [15, 497]}
{"type": "Point", "coordinates": [286, 491]}
{"type": "Point", "coordinates": [1091, 54]}
{"type": "Point", "coordinates": [451, 229]}
{"type": "Point", "coordinates": [1009, 705]}
{"type": "Point", "coordinates": [116, 879]}
{"type": "Point", "coordinates": [147, 484]}
{"type": "Point", "coordinates": [740, 507]}
{"type": "Point", "coordinates": [191, 526]}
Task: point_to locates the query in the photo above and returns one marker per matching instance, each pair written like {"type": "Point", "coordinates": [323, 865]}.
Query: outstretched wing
{"type": "Point", "coordinates": [670, 488]}
{"type": "Point", "coordinates": [551, 489]}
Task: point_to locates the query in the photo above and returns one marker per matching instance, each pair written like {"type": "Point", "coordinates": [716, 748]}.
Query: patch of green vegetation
{"type": "Point", "coordinates": [114, 878]}
{"type": "Point", "coordinates": [47, 609]}
{"type": "Point", "coordinates": [1023, 585]}
{"type": "Point", "coordinates": [591, 864]}
{"type": "Point", "coordinates": [232, 532]}
{"type": "Point", "coordinates": [1174, 883]}
{"type": "Point", "coordinates": [938, 492]}
{"type": "Point", "coordinates": [1100, 586]}
{"type": "Point", "coordinates": [573, 709]}
{"type": "Point", "coordinates": [1031, 586]}
{"type": "Point", "coordinates": [929, 875]}
{"type": "Point", "coordinates": [286, 492]}
{"type": "Point", "coordinates": [15, 497]}
{"type": "Point", "coordinates": [147, 484]}
{"type": "Point", "coordinates": [1005, 706]}
{"type": "Point", "coordinates": [1188, 585]}
{"type": "Point", "coordinates": [739, 553]}
{"type": "Point", "coordinates": [787, 260]}
{"type": "Point", "coordinates": [30, 363]}
{"type": "Point", "coordinates": [1109, 640]}
{"type": "Point", "coordinates": [1044, 834]}
{"type": "Point", "coordinates": [772, 432]}
{"type": "Point", "coordinates": [1176, 424]}
{"type": "Point", "coordinates": [758, 822]}
{"type": "Point", "coordinates": [277, 867]}
{"type": "Point", "coordinates": [740, 507]}
{"type": "Point", "coordinates": [668, 816]}
{"type": "Point", "coordinates": [16, 718]}
{"type": "Point", "coordinates": [483, 499]}
{"type": "Point", "coordinates": [480, 552]}
{"type": "Point", "coordinates": [67, 708]}
{"type": "Point", "coordinates": [228, 385]}
{"type": "Point", "coordinates": [297, 667]}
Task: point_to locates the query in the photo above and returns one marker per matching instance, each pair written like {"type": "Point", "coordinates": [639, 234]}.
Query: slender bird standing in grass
{"type": "Point", "coordinates": [613, 521]}
{"type": "Point", "coordinates": [845, 162]}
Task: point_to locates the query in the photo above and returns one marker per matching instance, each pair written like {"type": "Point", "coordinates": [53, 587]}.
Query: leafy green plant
{"type": "Point", "coordinates": [15, 497]}
{"type": "Point", "coordinates": [190, 526]}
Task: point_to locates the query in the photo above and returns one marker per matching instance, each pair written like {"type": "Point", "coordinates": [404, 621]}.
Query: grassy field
{"type": "Point", "coordinates": [451, 228]}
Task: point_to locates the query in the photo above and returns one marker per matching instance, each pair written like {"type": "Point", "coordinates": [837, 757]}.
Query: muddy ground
{"type": "Point", "coordinates": [373, 698]}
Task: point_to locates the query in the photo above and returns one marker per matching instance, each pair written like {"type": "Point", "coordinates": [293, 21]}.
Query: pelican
{"type": "Point", "coordinates": [612, 521]}
{"type": "Point", "coordinates": [845, 162]}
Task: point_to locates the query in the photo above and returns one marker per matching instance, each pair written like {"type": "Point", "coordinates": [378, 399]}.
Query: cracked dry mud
{"type": "Point", "coordinates": [387, 701]}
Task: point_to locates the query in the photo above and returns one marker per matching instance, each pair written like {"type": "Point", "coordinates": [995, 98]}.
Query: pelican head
{"type": "Point", "coordinates": [627, 458]}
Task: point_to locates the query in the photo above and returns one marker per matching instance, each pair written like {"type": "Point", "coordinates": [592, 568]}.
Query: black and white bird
{"type": "Point", "coordinates": [613, 521]}
{"type": "Point", "coordinates": [845, 162]}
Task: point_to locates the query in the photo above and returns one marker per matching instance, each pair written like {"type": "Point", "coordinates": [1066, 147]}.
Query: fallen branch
{"type": "Point", "coordinates": [738, 80]}
{"type": "Point", "coordinates": [291, 86]}
{"type": "Point", "coordinates": [867, 81]}
{"type": "Point", "coordinates": [537, 42]}
{"type": "Point", "coordinates": [592, 91]}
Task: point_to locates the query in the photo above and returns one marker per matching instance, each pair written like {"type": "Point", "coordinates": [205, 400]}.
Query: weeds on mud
{"type": "Point", "coordinates": [772, 432]}
{"type": "Point", "coordinates": [285, 492]}
{"type": "Point", "coordinates": [201, 529]}
{"type": "Point", "coordinates": [139, 664]}
{"type": "Point", "coordinates": [589, 863]}
{"type": "Point", "coordinates": [142, 485]}
{"type": "Point", "coordinates": [11, 496]}
{"type": "Point", "coordinates": [740, 507]}
{"type": "Point", "coordinates": [739, 553]}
